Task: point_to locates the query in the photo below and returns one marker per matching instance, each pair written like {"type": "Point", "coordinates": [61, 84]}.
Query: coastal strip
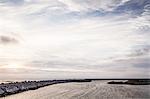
{"type": "Point", "coordinates": [132, 82]}
{"type": "Point", "coordinates": [17, 87]}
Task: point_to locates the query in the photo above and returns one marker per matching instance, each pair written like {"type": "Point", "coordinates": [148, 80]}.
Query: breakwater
{"type": "Point", "coordinates": [132, 82]}
{"type": "Point", "coordinates": [17, 87]}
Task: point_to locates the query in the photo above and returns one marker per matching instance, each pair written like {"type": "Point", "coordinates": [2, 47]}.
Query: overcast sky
{"type": "Point", "coordinates": [53, 39]}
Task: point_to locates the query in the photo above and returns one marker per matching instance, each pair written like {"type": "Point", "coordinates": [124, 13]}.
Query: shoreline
{"type": "Point", "coordinates": [131, 82]}
{"type": "Point", "coordinates": [18, 87]}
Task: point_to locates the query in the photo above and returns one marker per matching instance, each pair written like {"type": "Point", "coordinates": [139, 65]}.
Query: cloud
{"type": "Point", "coordinates": [141, 63]}
{"type": "Point", "coordinates": [134, 7]}
{"type": "Point", "coordinates": [8, 40]}
{"type": "Point", "coordinates": [143, 21]}
{"type": "Point", "coordinates": [76, 36]}
{"type": "Point", "coordinates": [141, 50]}
{"type": "Point", "coordinates": [90, 5]}
{"type": "Point", "coordinates": [12, 2]}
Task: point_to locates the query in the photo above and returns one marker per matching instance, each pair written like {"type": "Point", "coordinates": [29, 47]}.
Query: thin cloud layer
{"type": "Point", "coordinates": [91, 37]}
{"type": "Point", "coordinates": [8, 40]}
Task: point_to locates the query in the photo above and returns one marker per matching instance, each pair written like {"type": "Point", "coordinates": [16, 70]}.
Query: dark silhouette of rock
{"type": "Point", "coordinates": [132, 82]}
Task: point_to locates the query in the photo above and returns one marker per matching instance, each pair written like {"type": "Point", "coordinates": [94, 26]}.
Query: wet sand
{"type": "Point", "coordinates": [86, 90]}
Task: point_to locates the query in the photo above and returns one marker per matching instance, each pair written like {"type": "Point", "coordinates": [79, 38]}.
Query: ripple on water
{"type": "Point", "coordinates": [87, 90]}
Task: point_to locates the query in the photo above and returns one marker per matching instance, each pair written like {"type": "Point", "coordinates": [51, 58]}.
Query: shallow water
{"type": "Point", "coordinates": [87, 90]}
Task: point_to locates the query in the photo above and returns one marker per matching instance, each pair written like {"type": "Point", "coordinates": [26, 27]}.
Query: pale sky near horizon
{"type": "Point", "coordinates": [53, 39]}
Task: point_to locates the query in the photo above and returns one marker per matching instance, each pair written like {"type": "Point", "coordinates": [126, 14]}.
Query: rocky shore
{"type": "Point", "coordinates": [17, 87]}
{"type": "Point", "coordinates": [132, 82]}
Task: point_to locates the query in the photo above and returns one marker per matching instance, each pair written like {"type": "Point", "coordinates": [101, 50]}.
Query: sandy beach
{"type": "Point", "coordinates": [86, 90]}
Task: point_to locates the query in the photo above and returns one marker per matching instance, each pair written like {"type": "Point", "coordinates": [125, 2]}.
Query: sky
{"type": "Point", "coordinates": [60, 39]}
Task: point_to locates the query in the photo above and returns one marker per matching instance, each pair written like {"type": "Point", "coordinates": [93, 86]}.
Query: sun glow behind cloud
{"type": "Point", "coordinates": [94, 37]}
{"type": "Point", "coordinates": [13, 66]}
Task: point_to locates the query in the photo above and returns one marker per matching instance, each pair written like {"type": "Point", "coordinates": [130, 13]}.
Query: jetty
{"type": "Point", "coordinates": [17, 87]}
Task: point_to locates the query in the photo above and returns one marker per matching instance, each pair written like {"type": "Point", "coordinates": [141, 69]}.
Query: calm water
{"type": "Point", "coordinates": [88, 90]}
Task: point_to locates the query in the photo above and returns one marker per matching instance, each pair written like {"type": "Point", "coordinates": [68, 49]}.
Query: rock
{"type": "Point", "coordinates": [16, 87]}
{"type": "Point", "coordinates": [1, 92]}
{"type": "Point", "coordinates": [132, 82]}
{"type": "Point", "coordinates": [11, 89]}
{"type": "Point", "coordinates": [138, 82]}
